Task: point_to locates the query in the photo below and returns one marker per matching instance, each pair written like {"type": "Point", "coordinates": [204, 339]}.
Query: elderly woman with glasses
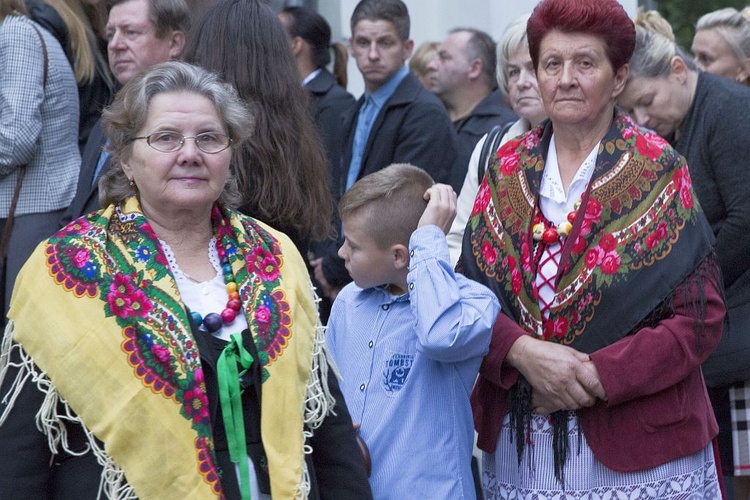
{"type": "Point", "coordinates": [167, 346]}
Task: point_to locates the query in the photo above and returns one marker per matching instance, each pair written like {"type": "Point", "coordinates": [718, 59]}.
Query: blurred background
{"type": "Point", "coordinates": [431, 19]}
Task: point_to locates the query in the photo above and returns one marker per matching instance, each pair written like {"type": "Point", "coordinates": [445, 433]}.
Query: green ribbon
{"type": "Point", "coordinates": [232, 358]}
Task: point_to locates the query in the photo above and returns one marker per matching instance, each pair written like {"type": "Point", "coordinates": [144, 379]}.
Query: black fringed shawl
{"type": "Point", "coordinates": [638, 235]}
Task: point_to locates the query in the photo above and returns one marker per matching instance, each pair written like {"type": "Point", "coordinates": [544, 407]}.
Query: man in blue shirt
{"type": "Point", "coordinates": [396, 120]}
{"type": "Point", "coordinates": [409, 335]}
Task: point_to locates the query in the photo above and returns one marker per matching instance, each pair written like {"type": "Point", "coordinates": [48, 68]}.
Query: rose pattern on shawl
{"type": "Point", "coordinates": [603, 253]}
{"type": "Point", "coordinates": [685, 187]}
{"type": "Point", "coordinates": [157, 338]}
{"type": "Point", "coordinates": [266, 264]}
{"type": "Point", "coordinates": [75, 267]}
{"type": "Point", "coordinates": [259, 277]}
{"type": "Point", "coordinates": [124, 300]}
{"type": "Point", "coordinates": [85, 260]}
{"type": "Point", "coordinates": [482, 199]}
{"type": "Point", "coordinates": [648, 147]}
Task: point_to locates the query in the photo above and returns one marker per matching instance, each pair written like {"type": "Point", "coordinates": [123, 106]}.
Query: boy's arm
{"type": "Point", "coordinates": [454, 315]}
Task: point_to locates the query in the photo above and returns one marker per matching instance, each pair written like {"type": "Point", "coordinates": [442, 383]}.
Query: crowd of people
{"type": "Point", "coordinates": [223, 275]}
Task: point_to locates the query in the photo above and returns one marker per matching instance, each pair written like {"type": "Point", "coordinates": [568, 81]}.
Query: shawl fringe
{"type": "Point", "coordinates": [319, 402]}
{"type": "Point", "coordinates": [55, 415]}
{"type": "Point", "coordinates": [692, 293]}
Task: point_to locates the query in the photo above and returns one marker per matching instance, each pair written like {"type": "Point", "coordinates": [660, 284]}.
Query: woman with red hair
{"type": "Point", "coordinates": [588, 231]}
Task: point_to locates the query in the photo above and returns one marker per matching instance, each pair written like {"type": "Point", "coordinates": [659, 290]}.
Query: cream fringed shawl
{"type": "Point", "coordinates": [97, 310]}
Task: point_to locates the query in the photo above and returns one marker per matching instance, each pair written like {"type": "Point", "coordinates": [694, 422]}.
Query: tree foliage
{"type": "Point", "coordinates": [683, 14]}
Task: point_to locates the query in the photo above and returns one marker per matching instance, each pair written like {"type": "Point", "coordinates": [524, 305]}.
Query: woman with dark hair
{"type": "Point", "coordinates": [282, 171]}
{"type": "Point", "coordinates": [588, 230]}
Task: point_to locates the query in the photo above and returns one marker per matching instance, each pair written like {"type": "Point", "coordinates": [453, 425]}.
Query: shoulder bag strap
{"type": "Point", "coordinates": [22, 169]}
{"type": "Point", "coordinates": [490, 146]}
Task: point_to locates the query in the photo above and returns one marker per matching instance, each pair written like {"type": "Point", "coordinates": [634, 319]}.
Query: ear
{"type": "Point", "coordinates": [400, 256]}
{"type": "Point", "coordinates": [297, 45]}
{"type": "Point", "coordinates": [408, 49]}
{"type": "Point", "coordinates": [678, 69]}
{"type": "Point", "coordinates": [620, 78]}
{"type": "Point", "coordinates": [476, 68]}
{"type": "Point", "coordinates": [744, 72]}
{"type": "Point", "coordinates": [351, 47]}
{"type": "Point", "coordinates": [127, 170]}
{"type": "Point", "coordinates": [176, 44]}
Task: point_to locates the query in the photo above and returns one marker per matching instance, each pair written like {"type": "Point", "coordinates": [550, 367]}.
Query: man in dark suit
{"type": "Point", "coordinates": [310, 39]}
{"type": "Point", "coordinates": [396, 121]}
{"type": "Point", "coordinates": [140, 33]}
{"type": "Point", "coordinates": [463, 77]}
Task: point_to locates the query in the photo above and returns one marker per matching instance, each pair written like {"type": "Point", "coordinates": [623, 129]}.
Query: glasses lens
{"type": "Point", "coordinates": [211, 142]}
{"type": "Point", "coordinates": [165, 141]}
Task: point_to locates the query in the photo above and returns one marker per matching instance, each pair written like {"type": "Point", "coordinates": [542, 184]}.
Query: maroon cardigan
{"type": "Point", "coordinates": [657, 408]}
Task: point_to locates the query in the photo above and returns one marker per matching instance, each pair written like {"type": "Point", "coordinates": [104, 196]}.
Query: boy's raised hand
{"type": "Point", "coordinates": [441, 207]}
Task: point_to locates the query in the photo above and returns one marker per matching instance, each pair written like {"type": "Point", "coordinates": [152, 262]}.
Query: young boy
{"type": "Point", "coordinates": [409, 335]}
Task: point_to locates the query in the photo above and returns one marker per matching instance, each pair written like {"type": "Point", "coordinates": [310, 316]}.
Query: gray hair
{"type": "Point", "coordinates": [126, 116]}
{"type": "Point", "coordinates": [513, 39]}
{"type": "Point", "coordinates": [655, 47]}
{"type": "Point", "coordinates": [731, 26]}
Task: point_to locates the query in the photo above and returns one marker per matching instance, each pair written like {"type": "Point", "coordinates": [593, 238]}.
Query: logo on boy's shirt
{"type": "Point", "coordinates": [396, 371]}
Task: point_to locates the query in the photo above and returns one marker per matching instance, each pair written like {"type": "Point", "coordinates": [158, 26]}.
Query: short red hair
{"type": "Point", "coordinates": [606, 19]}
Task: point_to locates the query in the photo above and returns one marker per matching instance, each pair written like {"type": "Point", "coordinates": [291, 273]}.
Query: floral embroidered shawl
{"type": "Point", "coordinates": [640, 233]}
{"type": "Point", "coordinates": [98, 311]}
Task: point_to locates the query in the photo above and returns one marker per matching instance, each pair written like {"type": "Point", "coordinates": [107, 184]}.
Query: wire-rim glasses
{"type": "Point", "coordinates": [169, 142]}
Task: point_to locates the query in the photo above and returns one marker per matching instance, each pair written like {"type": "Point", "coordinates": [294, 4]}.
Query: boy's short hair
{"type": "Point", "coordinates": [393, 11]}
{"type": "Point", "coordinates": [391, 200]}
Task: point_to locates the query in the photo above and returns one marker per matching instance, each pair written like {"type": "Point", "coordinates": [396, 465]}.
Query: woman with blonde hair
{"type": "Point", "coordinates": [517, 80]}
{"type": "Point", "coordinates": [73, 29]}
{"type": "Point", "coordinates": [722, 44]}
{"type": "Point", "coordinates": [703, 116]}
{"type": "Point", "coordinates": [420, 60]}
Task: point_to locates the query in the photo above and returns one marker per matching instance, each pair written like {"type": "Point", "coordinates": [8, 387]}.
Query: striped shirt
{"type": "Point", "coordinates": [408, 364]}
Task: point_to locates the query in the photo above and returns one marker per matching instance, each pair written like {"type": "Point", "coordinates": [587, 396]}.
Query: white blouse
{"type": "Point", "coordinates": [555, 205]}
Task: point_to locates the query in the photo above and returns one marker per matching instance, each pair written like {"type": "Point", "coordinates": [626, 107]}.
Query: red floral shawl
{"type": "Point", "coordinates": [638, 234]}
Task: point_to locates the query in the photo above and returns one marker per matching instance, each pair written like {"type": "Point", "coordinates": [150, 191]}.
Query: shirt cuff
{"type": "Point", "coordinates": [428, 243]}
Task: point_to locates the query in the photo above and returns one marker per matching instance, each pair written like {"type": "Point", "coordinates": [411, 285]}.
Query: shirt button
{"type": "Point", "coordinates": [362, 387]}
{"type": "Point", "coordinates": [370, 344]}
{"type": "Point", "coordinates": [411, 286]}
{"type": "Point", "coordinates": [385, 307]}
{"type": "Point", "coordinates": [205, 290]}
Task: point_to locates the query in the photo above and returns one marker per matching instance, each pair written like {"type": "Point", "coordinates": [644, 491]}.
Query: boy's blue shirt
{"type": "Point", "coordinates": [408, 365]}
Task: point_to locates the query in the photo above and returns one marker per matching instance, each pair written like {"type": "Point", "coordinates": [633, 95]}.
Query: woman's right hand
{"type": "Point", "coordinates": [561, 377]}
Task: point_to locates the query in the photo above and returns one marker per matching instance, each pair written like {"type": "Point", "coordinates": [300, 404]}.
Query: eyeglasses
{"type": "Point", "coordinates": [169, 142]}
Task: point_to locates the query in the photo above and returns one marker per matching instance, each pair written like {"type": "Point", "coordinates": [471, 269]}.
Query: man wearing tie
{"type": "Point", "coordinates": [396, 120]}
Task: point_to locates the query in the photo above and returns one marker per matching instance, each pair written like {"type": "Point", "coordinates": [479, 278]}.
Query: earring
{"type": "Point", "coordinates": [132, 183]}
